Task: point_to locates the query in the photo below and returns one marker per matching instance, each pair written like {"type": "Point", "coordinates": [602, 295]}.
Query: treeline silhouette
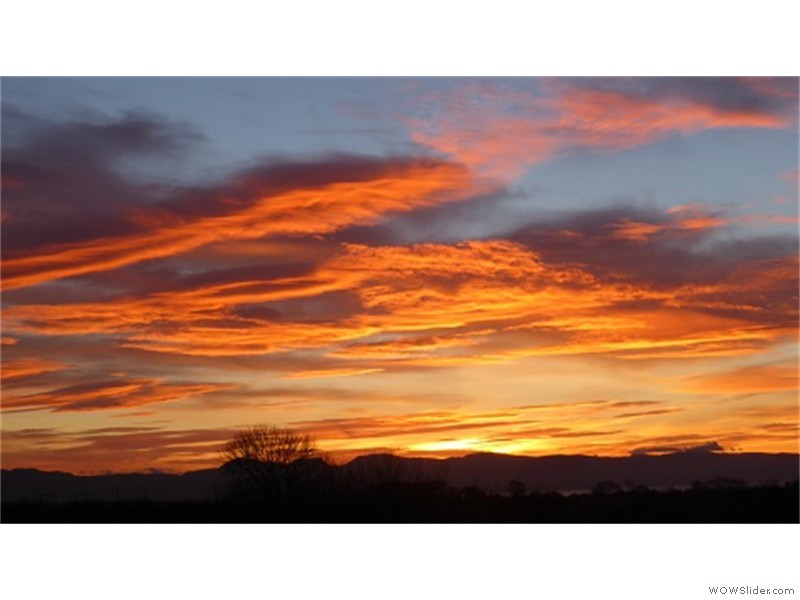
{"type": "Point", "coordinates": [392, 494]}
{"type": "Point", "coordinates": [274, 475]}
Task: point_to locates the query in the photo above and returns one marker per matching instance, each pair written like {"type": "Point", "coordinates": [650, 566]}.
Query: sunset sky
{"type": "Point", "coordinates": [428, 267]}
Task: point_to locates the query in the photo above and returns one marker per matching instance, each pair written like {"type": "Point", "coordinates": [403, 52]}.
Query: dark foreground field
{"type": "Point", "coordinates": [435, 502]}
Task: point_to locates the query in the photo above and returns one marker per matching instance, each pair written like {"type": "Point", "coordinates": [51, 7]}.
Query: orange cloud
{"type": "Point", "coordinates": [28, 367]}
{"type": "Point", "coordinates": [437, 304]}
{"type": "Point", "coordinates": [438, 433]}
{"type": "Point", "coordinates": [435, 286]}
{"type": "Point", "coordinates": [108, 394]}
{"type": "Point", "coordinates": [501, 131]}
{"type": "Point", "coordinates": [419, 282]}
{"type": "Point", "coordinates": [535, 429]}
{"type": "Point", "coordinates": [118, 449]}
{"type": "Point", "coordinates": [407, 425]}
{"type": "Point", "coordinates": [482, 288]}
{"type": "Point", "coordinates": [620, 120]}
{"type": "Point", "coordinates": [317, 373]}
{"type": "Point", "coordinates": [257, 213]}
{"type": "Point", "coordinates": [634, 231]}
{"type": "Point", "coordinates": [406, 347]}
{"type": "Point", "coordinates": [681, 219]}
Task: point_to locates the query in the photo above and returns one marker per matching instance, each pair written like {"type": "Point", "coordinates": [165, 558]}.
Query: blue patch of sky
{"type": "Point", "coordinates": [246, 120]}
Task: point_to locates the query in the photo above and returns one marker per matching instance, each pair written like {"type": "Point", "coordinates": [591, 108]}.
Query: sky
{"type": "Point", "coordinates": [424, 266]}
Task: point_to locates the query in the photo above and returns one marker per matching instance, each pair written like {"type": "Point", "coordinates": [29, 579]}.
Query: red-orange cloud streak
{"type": "Point", "coordinates": [118, 393]}
{"type": "Point", "coordinates": [302, 211]}
{"type": "Point", "coordinates": [431, 301]}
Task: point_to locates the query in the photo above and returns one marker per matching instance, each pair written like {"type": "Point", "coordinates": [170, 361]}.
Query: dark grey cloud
{"type": "Point", "coordinates": [64, 181]}
{"type": "Point", "coordinates": [470, 218]}
{"type": "Point", "coordinates": [76, 144]}
{"type": "Point", "coordinates": [703, 448]}
{"type": "Point", "coordinates": [67, 181]}
{"type": "Point", "coordinates": [108, 394]}
{"type": "Point", "coordinates": [673, 254]}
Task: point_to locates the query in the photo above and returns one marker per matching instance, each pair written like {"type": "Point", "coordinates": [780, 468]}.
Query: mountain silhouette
{"type": "Point", "coordinates": [490, 472]}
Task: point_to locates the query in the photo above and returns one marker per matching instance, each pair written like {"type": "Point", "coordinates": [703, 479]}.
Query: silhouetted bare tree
{"type": "Point", "coordinates": [269, 461]}
{"type": "Point", "coordinates": [266, 443]}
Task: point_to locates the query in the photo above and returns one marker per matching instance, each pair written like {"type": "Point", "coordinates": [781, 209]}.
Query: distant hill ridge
{"type": "Point", "coordinates": [484, 470]}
